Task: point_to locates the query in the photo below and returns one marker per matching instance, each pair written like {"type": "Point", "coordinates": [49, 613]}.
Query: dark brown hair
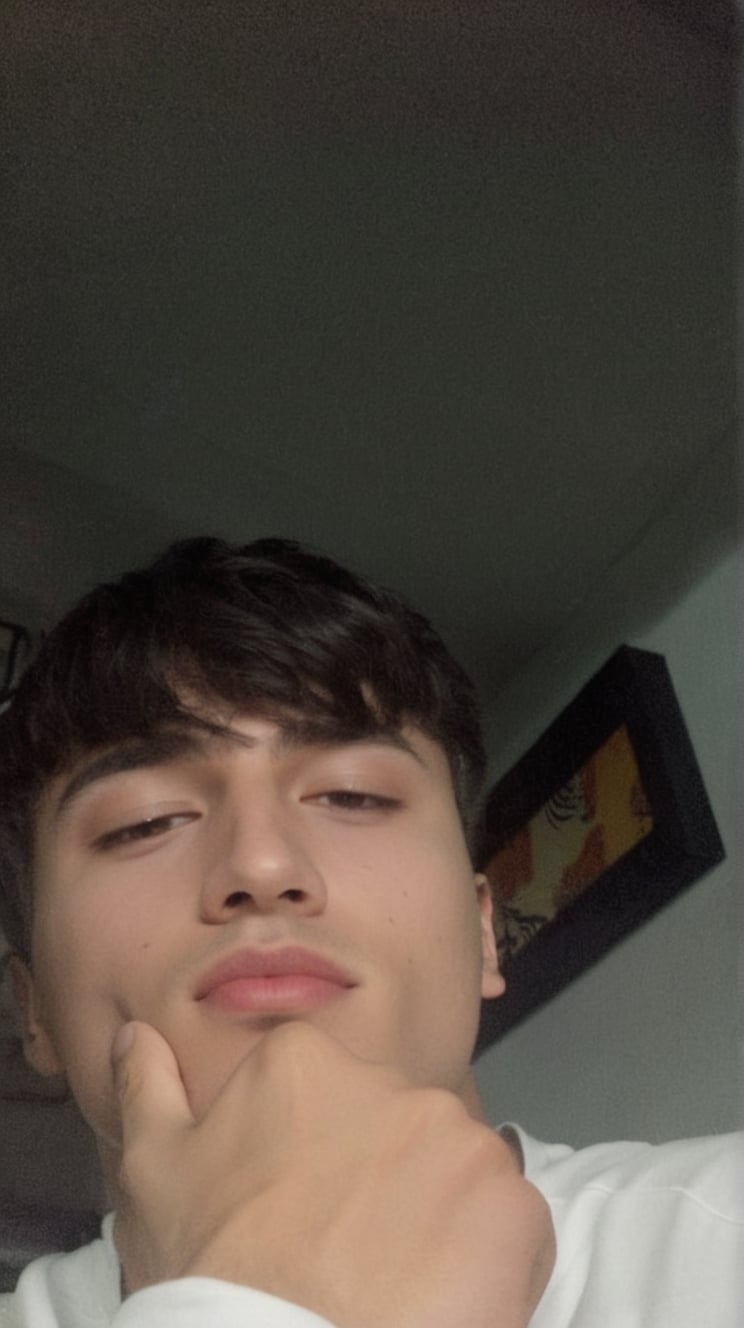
{"type": "Point", "coordinates": [269, 627]}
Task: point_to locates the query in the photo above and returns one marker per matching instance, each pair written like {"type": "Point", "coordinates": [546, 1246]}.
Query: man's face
{"type": "Point", "coordinates": [334, 880]}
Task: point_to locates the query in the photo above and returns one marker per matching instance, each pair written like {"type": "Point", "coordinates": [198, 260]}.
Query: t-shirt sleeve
{"type": "Point", "coordinates": [203, 1302]}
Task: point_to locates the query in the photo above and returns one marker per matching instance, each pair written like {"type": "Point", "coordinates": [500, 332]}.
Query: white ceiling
{"type": "Point", "coordinates": [444, 289]}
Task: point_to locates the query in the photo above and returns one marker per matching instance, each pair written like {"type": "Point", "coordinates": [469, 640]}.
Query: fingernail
{"type": "Point", "coordinates": [122, 1042]}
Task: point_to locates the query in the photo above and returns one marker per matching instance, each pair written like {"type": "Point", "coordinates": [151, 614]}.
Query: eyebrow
{"type": "Point", "coordinates": [173, 744]}
{"type": "Point", "coordinates": [133, 754]}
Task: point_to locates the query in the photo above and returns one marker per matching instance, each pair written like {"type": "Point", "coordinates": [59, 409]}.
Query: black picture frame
{"type": "Point", "coordinates": [634, 691]}
{"type": "Point", "coordinates": [15, 646]}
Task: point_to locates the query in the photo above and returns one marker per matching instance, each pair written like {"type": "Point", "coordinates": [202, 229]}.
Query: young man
{"type": "Point", "coordinates": [239, 790]}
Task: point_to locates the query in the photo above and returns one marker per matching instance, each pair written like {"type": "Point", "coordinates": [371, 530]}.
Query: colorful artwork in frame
{"type": "Point", "coordinates": [600, 824]}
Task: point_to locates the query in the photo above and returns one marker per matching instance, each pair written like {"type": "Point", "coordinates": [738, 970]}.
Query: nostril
{"type": "Point", "coordinates": [294, 896]}
{"type": "Point", "coordinates": [236, 898]}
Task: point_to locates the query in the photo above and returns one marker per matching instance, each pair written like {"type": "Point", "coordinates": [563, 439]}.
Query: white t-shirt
{"type": "Point", "coordinates": [648, 1237]}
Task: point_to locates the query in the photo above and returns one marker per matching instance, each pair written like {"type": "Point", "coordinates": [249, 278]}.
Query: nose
{"type": "Point", "coordinates": [258, 861]}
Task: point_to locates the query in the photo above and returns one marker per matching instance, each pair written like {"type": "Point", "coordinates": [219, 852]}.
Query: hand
{"type": "Point", "coordinates": [329, 1182]}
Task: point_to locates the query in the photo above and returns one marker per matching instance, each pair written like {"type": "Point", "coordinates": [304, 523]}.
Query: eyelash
{"type": "Point", "coordinates": [357, 801]}
{"type": "Point", "coordinates": [138, 831]}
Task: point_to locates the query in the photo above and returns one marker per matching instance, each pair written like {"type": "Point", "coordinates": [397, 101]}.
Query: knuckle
{"type": "Point", "coordinates": [285, 1062]}
{"type": "Point", "coordinates": [529, 1210]}
{"type": "Point", "coordinates": [537, 1207]}
{"type": "Point", "coordinates": [431, 1114]}
{"type": "Point", "coordinates": [492, 1161]}
{"type": "Point", "coordinates": [440, 1107]}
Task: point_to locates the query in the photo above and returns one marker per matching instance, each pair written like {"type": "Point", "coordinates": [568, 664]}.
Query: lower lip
{"type": "Point", "coordinates": [283, 994]}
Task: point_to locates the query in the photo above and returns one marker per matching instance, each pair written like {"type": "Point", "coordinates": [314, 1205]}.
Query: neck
{"type": "Point", "coordinates": [471, 1098]}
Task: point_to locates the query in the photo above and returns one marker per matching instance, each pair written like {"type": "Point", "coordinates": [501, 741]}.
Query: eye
{"type": "Point", "coordinates": [150, 827]}
{"type": "Point", "coordinates": [350, 800]}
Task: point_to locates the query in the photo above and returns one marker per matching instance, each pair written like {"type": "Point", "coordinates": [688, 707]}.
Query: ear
{"type": "Point", "coordinates": [492, 983]}
{"type": "Point", "coordinates": [38, 1046]}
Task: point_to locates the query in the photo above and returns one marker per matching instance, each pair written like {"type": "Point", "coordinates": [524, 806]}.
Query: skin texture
{"type": "Point", "coordinates": [145, 879]}
{"type": "Point", "coordinates": [332, 1183]}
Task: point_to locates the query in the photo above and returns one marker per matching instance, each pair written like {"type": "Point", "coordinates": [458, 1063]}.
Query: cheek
{"type": "Point", "coordinates": [435, 893]}
{"type": "Point", "coordinates": [430, 899]}
{"type": "Point", "coordinates": [423, 919]}
{"type": "Point", "coordinates": [90, 959]}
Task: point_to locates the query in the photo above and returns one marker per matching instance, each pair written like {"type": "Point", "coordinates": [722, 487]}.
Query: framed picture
{"type": "Point", "coordinates": [601, 823]}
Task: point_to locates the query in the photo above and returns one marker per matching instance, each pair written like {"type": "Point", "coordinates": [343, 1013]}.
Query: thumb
{"type": "Point", "coordinates": [148, 1082]}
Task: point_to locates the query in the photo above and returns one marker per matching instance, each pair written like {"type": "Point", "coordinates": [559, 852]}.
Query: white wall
{"type": "Point", "coordinates": [649, 1042]}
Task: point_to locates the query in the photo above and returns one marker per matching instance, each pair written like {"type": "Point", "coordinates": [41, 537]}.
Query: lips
{"type": "Point", "coordinates": [269, 982]}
